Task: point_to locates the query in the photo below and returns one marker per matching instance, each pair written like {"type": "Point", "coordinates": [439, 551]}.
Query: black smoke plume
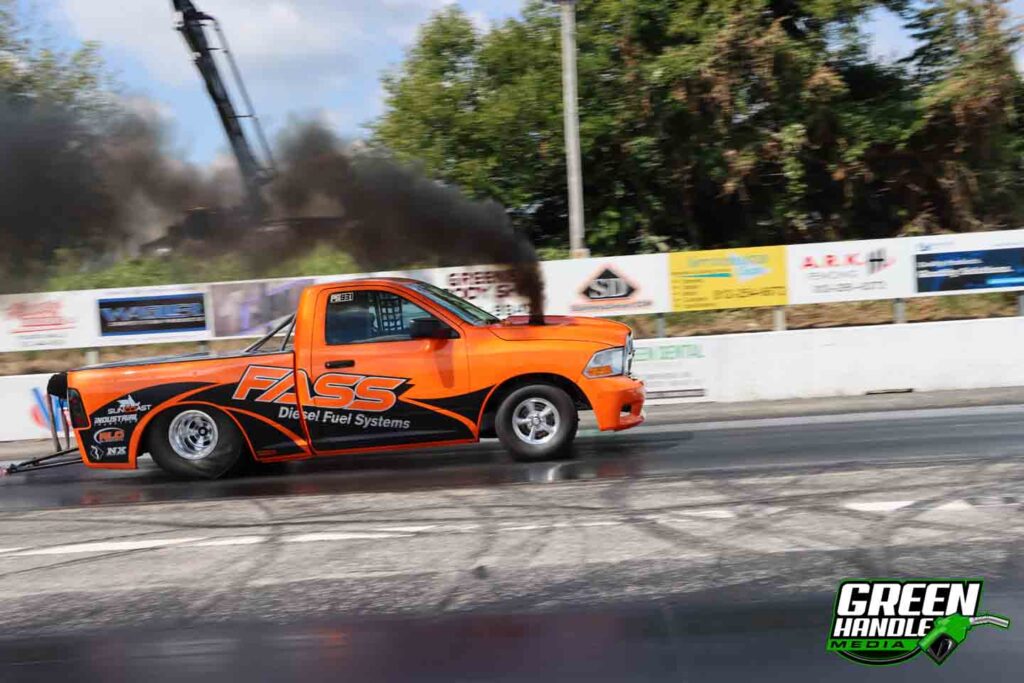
{"type": "Point", "coordinates": [104, 183]}
{"type": "Point", "coordinates": [96, 181]}
{"type": "Point", "coordinates": [391, 213]}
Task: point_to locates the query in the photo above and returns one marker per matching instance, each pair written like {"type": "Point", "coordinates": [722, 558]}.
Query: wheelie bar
{"type": "Point", "coordinates": [64, 453]}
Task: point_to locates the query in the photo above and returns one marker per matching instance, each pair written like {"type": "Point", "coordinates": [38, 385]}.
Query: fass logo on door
{"type": "Point", "coordinates": [266, 384]}
{"type": "Point", "coordinates": [889, 621]}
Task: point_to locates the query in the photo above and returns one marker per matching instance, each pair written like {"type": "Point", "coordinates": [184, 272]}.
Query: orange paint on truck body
{"type": "Point", "coordinates": [357, 379]}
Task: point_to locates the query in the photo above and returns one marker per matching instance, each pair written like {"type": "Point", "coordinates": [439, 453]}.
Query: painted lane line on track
{"type": "Point", "coordinates": [955, 505]}
{"type": "Point", "coordinates": [232, 540]}
{"type": "Point", "coordinates": [105, 547]}
{"type": "Point", "coordinates": [410, 531]}
{"type": "Point", "coordinates": [879, 505]}
{"type": "Point", "coordinates": [341, 536]}
{"type": "Point", "coordinates": [710, 514]}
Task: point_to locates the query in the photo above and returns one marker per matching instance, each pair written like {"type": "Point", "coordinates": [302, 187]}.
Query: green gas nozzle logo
{"type": "Point", "coordinates": [888, 621]}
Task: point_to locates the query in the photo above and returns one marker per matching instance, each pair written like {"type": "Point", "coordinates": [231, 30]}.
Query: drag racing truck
{"type": "Point", "coordinates": [363, 365]}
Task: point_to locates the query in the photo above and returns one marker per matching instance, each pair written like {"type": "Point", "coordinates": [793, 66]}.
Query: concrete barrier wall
{"type": "Point", "coordinates": [850, 361]}
{"type": "Point", "coordinates": [846, 361]}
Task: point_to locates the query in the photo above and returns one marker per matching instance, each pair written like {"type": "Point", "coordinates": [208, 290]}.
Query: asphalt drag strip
{"type": "Point", "coordinates": [689, 552]}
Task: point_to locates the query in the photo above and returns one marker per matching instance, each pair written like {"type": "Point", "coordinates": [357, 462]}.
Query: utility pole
{"type": "Point", "coordinates": [570, 110]}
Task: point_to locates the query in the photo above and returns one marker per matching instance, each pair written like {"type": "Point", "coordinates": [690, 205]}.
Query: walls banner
{"type": "Point", "coordinates": [728, 278]}
{"type": "Point", "coordinates": [254, 308]}
{"type": "Point", "coordinates": [489, 287]}
{"type": "Point", "coordinates": [157, 314]}
{"type": "Point", "coordinates": [850, 271]}
{"type": "Point", "coordinates": [26, 409]}
{"type": "Point", "coordinates": [675, 368]}
{"type": "Point", "coordinates": [971, 262]}
{"type": "Point", "coordinates": [53, 320]}
{"type": "Point", "coordinates": [616, 285]}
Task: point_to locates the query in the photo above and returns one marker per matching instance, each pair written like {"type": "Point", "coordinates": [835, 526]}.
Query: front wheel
{"type": "Point", "coordinates": [537, 422]}
{"type": "Point", "coordinates": [196, 442]}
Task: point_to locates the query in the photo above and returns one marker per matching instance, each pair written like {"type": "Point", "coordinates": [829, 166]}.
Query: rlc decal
{"type": "Point", "coordinates": [330, 390]}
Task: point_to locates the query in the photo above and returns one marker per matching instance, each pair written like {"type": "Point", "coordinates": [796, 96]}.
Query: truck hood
{"type": "Point", "coordinates": [564, 328]}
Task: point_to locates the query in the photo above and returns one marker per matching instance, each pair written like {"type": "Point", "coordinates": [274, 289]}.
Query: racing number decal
{"type": "Point", "coordinates": [331, 390]}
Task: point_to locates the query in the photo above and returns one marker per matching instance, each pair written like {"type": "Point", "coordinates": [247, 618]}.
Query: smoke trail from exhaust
{"type": "Point", "coordinates": [393, 214]}
{"type": "Point", "coordinates": [105, 185]}
{"type": "Point", "coordinates": [74, 180]}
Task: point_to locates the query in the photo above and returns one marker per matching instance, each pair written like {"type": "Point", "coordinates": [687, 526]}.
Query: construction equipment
{"type": "Point", "coordinates": [255, 173]}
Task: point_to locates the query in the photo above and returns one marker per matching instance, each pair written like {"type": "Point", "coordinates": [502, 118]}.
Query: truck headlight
{"type": "Point", "coordinates": [630, 352]}
{"type": "Point", "coordinates": [607, 363]}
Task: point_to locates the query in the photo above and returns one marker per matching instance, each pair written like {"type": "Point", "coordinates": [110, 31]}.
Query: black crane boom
{"type": "Point", "coordinates": [192, 26]}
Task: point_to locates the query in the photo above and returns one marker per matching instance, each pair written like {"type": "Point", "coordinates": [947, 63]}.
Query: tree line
{"type": "Point", "coordinates": [708, 123]}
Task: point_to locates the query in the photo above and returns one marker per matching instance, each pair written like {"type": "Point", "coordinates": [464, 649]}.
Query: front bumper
{"type": "Point", "coordinates": [618, 402]}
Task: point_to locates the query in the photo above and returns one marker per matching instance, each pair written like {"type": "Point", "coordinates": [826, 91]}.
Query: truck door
{"type": "Point", "coordinates": [370, 384]}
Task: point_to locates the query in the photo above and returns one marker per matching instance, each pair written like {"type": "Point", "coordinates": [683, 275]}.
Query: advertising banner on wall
{"type": "Point", "coordinates": [26, 409]}
{"type": "Point", "coordinates": [728, 278]}
{"type": "Point", "coordinates": [617, 285]}
{"type": "Point", "coordinates": [243, 309]}
{"type": "Point", "coordinates": [422, 274]}
{"type": "Point", "coordinates": [971, 262]}
{"type": "Point", "coordinates": [164, 315]}
{"type": "Point", "coordinates": [55, 320]}
{"type": "Point", "coordinates": [850, 271]}
{"type": "Point", "coordinates": [674, 368]}
{"type": "Point", "coordinates": [492, 288]}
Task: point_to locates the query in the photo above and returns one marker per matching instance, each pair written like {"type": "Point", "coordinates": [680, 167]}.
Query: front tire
{"type": "Point", "coordinates": [195, 442]}
{"type": "Point", "coordinates": [537, 422]}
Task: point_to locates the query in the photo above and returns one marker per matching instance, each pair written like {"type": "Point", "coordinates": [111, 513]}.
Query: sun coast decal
{"type": "Point", "coordinates": [125, 411]}
{"type": "Point", "coordinates": [888, 621]}
{"type": "Point", "coordinates": [340, 391]}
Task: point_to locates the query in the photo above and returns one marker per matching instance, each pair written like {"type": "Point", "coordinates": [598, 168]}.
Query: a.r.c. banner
{"type": "Point", "coordinates": [850, 271]}
{"type": "Point", "coordinates": [728, 278]}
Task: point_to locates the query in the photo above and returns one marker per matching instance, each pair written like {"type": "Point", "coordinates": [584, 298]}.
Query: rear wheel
{"type": "Point", "coordinates": [537, 422]}
{"type": "Point", "coordinates": [196, 442]}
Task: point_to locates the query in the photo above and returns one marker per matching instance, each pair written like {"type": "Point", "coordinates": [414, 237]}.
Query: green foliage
{"type": "Point", "coordinates": [69, 273]}
{"type": "Point", "coordinates": [721, 122]}
{"type": "Point", "coordinates": [321, 260]}
{"type": "Point", "coordinates": [31, 69]}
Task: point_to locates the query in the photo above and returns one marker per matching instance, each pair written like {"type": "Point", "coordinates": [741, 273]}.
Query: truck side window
{"type": "Point", "coordinates": [366, 316]}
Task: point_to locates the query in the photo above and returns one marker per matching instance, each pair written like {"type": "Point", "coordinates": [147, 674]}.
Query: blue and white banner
{"type": "Point", "coordinates": [152, 314]}
{"type": "Point", "coordinates": [972, 262]}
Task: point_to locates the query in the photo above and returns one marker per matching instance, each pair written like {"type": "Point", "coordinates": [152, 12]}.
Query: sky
{"type": "Point", "coordinates": [309, 58]}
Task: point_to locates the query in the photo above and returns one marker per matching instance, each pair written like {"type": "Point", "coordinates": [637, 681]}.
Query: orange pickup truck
{"type": "Point", "coordinates": [363, 365]}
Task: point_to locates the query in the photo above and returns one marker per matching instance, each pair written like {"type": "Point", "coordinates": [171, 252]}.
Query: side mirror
{"type": "Point", "coordinates": [430, 328]}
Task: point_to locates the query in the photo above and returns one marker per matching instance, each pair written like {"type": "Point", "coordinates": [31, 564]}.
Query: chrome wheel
{"type": "Point", "coordinates": [193, 434]}
{"type": "Point", "coordinates": [535, 421]}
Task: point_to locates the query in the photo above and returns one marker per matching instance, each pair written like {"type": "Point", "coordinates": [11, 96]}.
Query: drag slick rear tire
{"type": "Point", "coordinates": [537, 422]}
{"type": "Point", "coordinates": [194, 442]}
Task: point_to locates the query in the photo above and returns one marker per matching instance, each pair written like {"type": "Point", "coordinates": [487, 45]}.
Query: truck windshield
{"type": "Point", "coordinates": [460, 307]}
